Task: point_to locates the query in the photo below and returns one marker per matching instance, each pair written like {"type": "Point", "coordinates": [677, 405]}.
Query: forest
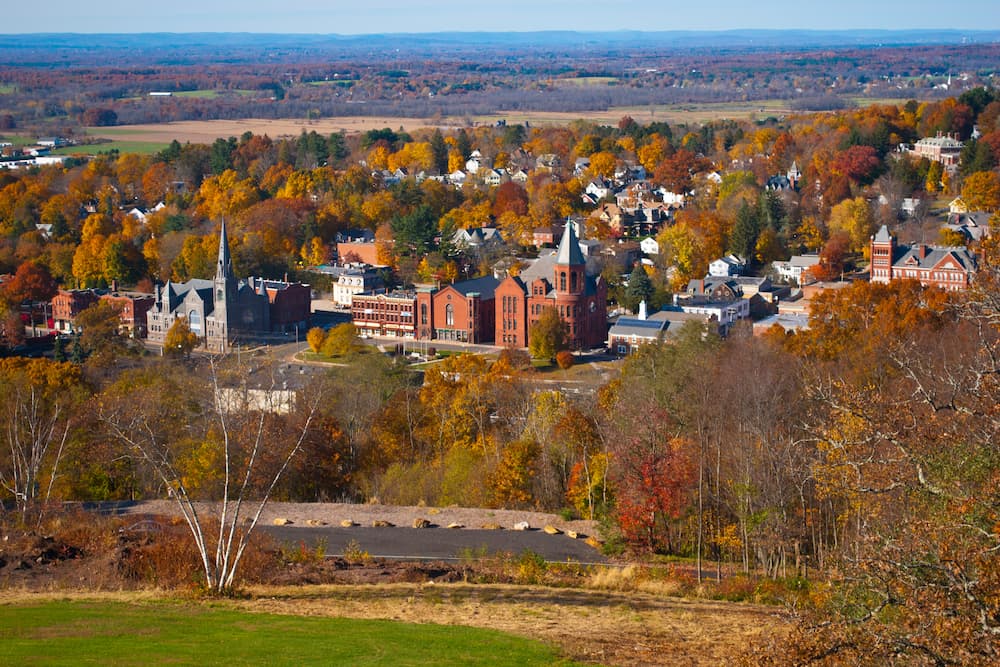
{"type": "Point", "coordinates": [856, 462]}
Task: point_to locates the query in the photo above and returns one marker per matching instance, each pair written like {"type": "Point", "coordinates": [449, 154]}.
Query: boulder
{"type": "Point", "coordinates": [594, 542]}
{"type": "Point", "coordinates": [551, 530]}
{"type": "Point", "coordinates": [454, 524]}
{"type": "Point", "coordinates": [315, 522]}
{"type": "Point", "coordinates": [491, 526]}
{"type": "Point", "coordinates": [380, 523]}
{"type": "Point", "coordinates": [572, 534]}
{"type": "Point", "coordinates": [421, 523]}
{"type": "Point", "coordinates": [348, 523]}
{"type": "Point", "coordinates": [281, 521]}
{"type": "Point", "coordinates": [522, 525]}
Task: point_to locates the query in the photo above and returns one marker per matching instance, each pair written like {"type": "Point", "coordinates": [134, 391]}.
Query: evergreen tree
{"type": "Point", "coordinates": [746, 229]}
{"type": "Point", "coordinates": [640, 288]}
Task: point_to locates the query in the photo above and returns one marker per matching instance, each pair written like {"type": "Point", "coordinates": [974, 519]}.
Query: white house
{"type": "Point", "coordinates": [795, 267]}
{"type": "Point", "coordinates": [730, 265]}
{"type": "Point", "coordinates": [649, 246]}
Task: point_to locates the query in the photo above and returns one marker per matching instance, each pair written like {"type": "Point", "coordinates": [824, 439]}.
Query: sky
{"type": "Point", "coordinates": [393, 16]}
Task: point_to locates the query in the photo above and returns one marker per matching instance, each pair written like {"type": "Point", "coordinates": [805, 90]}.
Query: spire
{"type": "Point", "coordinates": [224, 269]}
{"type": "Point", "coordinates": [569, 253]}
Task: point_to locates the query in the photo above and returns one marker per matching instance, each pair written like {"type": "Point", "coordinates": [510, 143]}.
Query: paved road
{"type": "Point", "coordinates": [438, 543]}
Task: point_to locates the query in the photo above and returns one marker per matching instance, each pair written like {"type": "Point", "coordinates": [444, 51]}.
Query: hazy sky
{"type": "Point", "coordinates": [370, 16]}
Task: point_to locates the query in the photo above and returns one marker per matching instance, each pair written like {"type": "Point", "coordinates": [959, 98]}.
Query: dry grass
{"type": "Point", "coordinates": [207, 131]}
{"type": "Point", "coordinates": [611, 628]}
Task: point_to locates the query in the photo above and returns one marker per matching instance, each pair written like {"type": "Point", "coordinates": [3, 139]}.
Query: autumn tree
{"type": "Point", "coordinates": [981, 191]}
{"type": "Point", "coordinates": [38, 402]}
{"type": "Point", "coordinates": [248, 438]}
{"type": "Point", "coordinates": [180, 340]}
{"type": "Point", "coordinates": [548, 335]}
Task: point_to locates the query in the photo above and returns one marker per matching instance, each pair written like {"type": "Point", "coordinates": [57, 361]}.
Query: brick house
{"type": "Point", "coordinates": [461, 312]}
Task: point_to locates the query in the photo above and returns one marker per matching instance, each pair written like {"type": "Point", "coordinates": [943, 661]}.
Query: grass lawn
{"type": "Point", "coordinates": [211, 94]}
{"type": "Point", "coordinates": [193, 633]}
{"type": "Point", "coordinates": [6, 88]}
{"type": "Point", "coordinates": [141, 147]}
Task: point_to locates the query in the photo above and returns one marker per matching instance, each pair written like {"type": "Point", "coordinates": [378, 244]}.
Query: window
{"type": "Point", "coordinates": [449, 316]}
{"type": "Point", "coordinates": [194, 321]}
{"type": "Point", "coordinates": [562, 281]}
{"type": "Point", "coordinates": [423, 313]}
{"type": "Point", "coordinates": [572, 281]}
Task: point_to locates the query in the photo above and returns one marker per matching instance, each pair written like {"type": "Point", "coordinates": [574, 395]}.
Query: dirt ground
{"type": "Point", "coordinates": [365, 514]}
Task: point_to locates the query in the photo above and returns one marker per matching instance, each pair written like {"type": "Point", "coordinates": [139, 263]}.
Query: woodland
{"type": "Point", "coordinates": [855, 464]}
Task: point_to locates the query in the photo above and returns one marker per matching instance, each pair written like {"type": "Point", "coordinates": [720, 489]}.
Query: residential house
{"type": "Point", "coordinates": [796, 267]}
{"type": "Point", "coordinates": [477, 237]}
{"type": "Point", "coordinates": [730, 265]}
{"type": "Point", "coordinates": [974, 225]}
{"type": "Point", "coordinates": [649, 246]}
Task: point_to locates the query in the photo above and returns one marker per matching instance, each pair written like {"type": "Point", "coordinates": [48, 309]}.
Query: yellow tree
{"type": "Point", "coordinates": [854, 217]}
{"type": "Point", "coordinates": [981, 191]}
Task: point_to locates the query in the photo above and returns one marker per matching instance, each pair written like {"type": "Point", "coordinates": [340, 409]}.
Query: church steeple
{"type": "Point", "coordinates": [224, 268]}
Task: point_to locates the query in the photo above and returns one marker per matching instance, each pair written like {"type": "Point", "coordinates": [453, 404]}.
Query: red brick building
{"type": "Point", "coordinates": [67, 304]}
{"type": "Point", "coordinates": [462, 312]}
{"type": "Point", "coordinates": [948, 267]}
{"type": "Point", "coordinates": [561, 281]}
{"type": "Point", "coordinates": [133, 308]}
{"type": "Point", "coordinates": [385, 313]}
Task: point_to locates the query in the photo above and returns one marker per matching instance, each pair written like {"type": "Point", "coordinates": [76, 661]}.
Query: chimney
{"type": "Point", "coordinates": [921, 251]}
{"type": "Point", "coordinates": [642, 310]}
{"type": "Point", "coordinates": [114, 285]}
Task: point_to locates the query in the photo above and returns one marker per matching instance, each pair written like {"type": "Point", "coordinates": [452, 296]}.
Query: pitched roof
{"type": "Point", "coordinates": [569, 253]}
{"type": "Point", "coordinates": [484, 286]}
{"type": "Point", "coordinates": [883, 235]}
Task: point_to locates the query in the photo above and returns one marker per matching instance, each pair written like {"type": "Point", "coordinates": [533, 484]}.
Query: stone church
{"type": "Point", "coordinates": [224, 309]}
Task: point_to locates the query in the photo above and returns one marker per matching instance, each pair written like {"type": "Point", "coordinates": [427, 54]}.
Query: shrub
{"type": "Point", "coordinates": [565, 359]}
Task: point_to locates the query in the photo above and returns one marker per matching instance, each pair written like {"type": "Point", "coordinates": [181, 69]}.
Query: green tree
{"type": "Point", "coordinates": [639, 288]}
{"type": "Point", "coordinates": [548, 335]}
{"type": "Point", "coordinates": [100, 333]}
{"type": "Point", "coordinates": [746, 229]}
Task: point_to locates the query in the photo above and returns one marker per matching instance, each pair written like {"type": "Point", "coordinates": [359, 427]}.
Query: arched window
{"type": "Point", "coordinates": [562, 281]}
{"type": "Point", "coordinates": [194, 322]}
{"type": "Point", "coordinates": [423, 313]}
{"type": "Point", "coordinates": [572, 282]}
{"type": "Point", "coordinates": [449, 316]}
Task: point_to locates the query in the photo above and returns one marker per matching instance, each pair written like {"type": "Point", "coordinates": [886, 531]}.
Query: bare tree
{"type": "Point", "coordinates": [241, 422]}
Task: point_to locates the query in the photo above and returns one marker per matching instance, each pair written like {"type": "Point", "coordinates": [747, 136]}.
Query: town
{"type": "Point", "coordinates": [736, 357]}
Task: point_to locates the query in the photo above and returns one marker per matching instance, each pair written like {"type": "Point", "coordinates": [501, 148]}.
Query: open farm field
{"type": "Point", "coordinates": [207, 131]}
{"type": "Point", "coordinates": [160, 632]}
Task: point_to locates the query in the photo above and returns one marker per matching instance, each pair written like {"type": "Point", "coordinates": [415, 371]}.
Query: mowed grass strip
{"type": "Point", "coordinates": [164, 633]}
{"type": "Point", "coordinates": [141, 147]}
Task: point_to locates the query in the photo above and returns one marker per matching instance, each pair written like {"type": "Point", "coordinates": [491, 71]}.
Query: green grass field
{"type": "Point", "coordinates": [192, 633]}
{"type": "Point", "coordinates": [142, 147]}
{"type": "Point", "coordinates": [6, 88]}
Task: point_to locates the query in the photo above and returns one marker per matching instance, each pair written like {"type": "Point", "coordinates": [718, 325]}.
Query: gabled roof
{"type": "Point", "coordinates": [883, 235]}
